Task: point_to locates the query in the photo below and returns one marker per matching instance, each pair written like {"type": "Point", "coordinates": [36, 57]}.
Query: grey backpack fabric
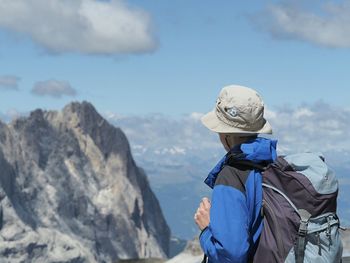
{"type": "Point", "coordinates": [299, 208]}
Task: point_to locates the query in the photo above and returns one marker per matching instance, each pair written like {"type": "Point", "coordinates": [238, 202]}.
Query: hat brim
{"type": "Point", "coordinates": [211, 121]}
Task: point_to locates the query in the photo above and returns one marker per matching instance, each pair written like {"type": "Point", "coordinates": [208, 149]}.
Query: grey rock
{"type": "Point", "coordinates": [193, 247]}
{"type": "Point", "coordinates": [177, 245]}
{"type": "Point", "coordinates": [70, 191]}
{"type": "Point", "coordinates": [191, 254]}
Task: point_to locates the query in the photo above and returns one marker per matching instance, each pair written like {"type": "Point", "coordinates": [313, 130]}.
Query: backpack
{"type": "Point", "coordinates": [299, 210]}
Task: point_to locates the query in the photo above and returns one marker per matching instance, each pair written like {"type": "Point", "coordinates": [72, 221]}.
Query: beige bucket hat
{"type": "Point", "coordinates": [238, 109]}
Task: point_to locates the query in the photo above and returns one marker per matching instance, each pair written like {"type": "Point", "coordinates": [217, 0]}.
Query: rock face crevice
{"type": "Point", "coordinates": [70, 191]}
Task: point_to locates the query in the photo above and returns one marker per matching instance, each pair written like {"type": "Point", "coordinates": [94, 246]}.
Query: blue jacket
{"type": "Point", "coordinates": [235, 218]}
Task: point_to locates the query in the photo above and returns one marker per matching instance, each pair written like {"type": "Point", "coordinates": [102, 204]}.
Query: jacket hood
{"type": "Point", "coordinates": [258, 150]}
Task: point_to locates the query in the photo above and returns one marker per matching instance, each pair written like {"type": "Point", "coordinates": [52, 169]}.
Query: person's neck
{"type": "Point", "coordinates": [238, 141]}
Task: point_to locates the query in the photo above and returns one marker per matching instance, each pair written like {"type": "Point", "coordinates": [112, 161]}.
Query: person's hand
{"type": "Point", "coordinates": [202, 216]}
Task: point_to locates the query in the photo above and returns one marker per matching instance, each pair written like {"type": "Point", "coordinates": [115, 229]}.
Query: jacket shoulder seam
{"type": "Point", "coordinates": [231, 176]}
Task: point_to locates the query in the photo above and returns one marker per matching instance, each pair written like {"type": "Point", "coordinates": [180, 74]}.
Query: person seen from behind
{"type": "Point", "coordinates": [231, 223]}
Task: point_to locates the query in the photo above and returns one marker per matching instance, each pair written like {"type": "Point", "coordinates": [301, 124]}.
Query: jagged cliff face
{"type": "Point", "coordinates": [71, 192]}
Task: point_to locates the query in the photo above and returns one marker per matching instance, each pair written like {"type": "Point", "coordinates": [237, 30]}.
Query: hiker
{"type": "Point", "coordinates": [231, 223]}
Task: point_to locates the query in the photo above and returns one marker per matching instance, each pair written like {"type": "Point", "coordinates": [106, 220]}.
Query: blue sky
{"type": "Point", "coordinates": [171, 57]}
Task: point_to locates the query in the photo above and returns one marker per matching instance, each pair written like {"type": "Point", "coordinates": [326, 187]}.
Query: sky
{"type": "Point", "coordinates": [138, 57]}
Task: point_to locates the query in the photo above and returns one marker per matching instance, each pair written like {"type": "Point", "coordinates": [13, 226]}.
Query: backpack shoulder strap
{"type": "Point", "coordinates": [302, 232]}
{"type": "Point", "coordinates": [236, 159]}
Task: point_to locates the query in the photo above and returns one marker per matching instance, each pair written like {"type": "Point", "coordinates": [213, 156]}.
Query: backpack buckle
{"type": "Point", "coordinates": [304, 221]}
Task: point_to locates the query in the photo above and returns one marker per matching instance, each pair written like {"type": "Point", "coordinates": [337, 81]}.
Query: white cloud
{"type": "Point", "coordinates": [9, 82]}
{"type": "Point", "coordinates": [302, 112]}
{"type": "Point", "coordinates": [111, 116]}
{"type": "Point", "coordinates": [196, 116]}
{"type": "Point", "coordinates": [328, 26]}
{"type": "Point", "coordinates": [175, 150]}
{"type": "Point", "coordinates": [269, 114]}
{"type": "Point", "coordinates": [14, 114]}
{"type": "Point", "coordinates": [317, 127]}
{"type": "Point", "coordinates": [53, 88]}
{"type": "Point", "coordinates": [83, 26]}
{"type": "Point", "coordinates": [11, 115]}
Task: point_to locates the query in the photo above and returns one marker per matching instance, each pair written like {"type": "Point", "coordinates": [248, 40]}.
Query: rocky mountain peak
{"type": "Point", "coordinates": [84, 112]}
{"type": "Point", "coordinates": [73, 193]}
